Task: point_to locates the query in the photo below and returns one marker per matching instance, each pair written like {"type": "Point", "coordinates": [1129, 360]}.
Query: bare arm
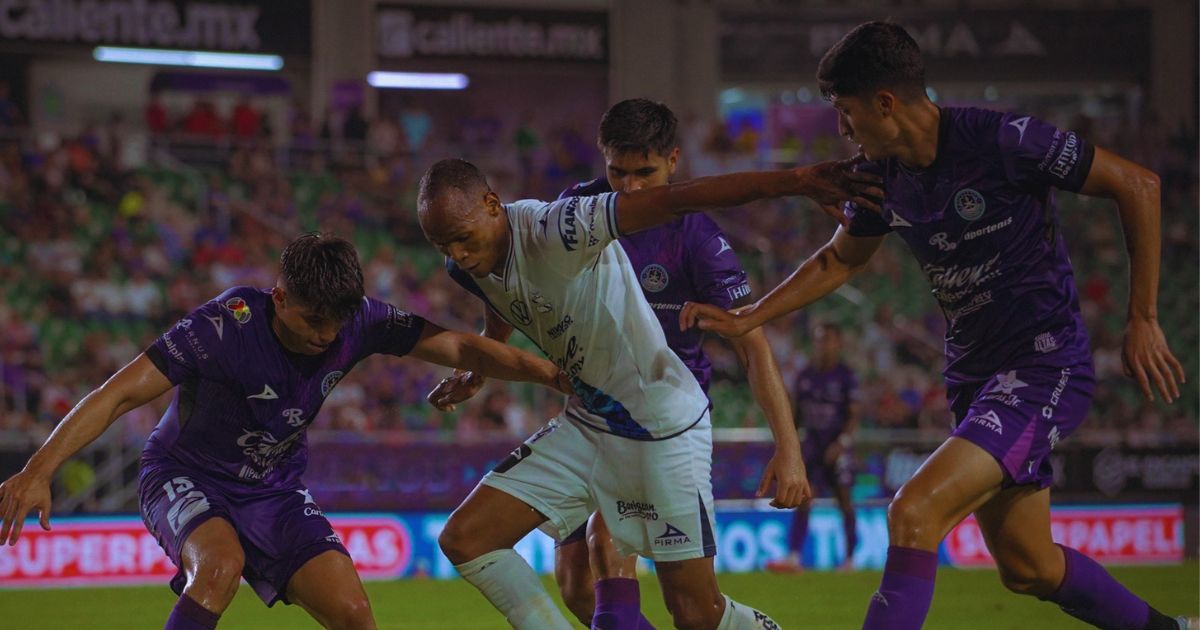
{"type": "Point", "coordinates": [463, 384]}
{"type": "Point", "coordinates": [786, 465]}
{"type": "Point", "coordinates": [484, 356]}
{"type": "Point", "coordinates": [825, 271]}
{"type": "Point", "coordinates": [1137, 192]}
{"type": "Point", "coordinates": [134, 385]}
{"type": "Point", "coordinates": [827, 183]}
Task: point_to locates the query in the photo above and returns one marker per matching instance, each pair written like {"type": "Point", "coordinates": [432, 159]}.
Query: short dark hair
{"type": "Point", "coordinates": [873, 56]}
{"type": "Point", "coordinates": [322, 272]}
{"type": "Point", "coordinates": [638, 125]}
{"type": "Point", "coordinates": [446, 175]}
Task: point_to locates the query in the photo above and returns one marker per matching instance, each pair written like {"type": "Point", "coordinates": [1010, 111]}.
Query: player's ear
{"type": "Point", "coordinates": [672, 161]}
{"type": "Point", "coordinates": [492, 201]}
{"type": "Point", "coordinates": [279, 297]}
{"type": "Point", "coordinates": [885, 103]}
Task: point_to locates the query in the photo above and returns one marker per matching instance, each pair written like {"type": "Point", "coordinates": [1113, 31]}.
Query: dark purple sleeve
{"type": "Point", "coordinates": [865, 222]}
{"type": "Point", "coordinates": [715, 270]}
{"type": "Point", "coordinates": [1038, 155]}
{"type": "Point", "coordinates": [193, 348]}
{"type": "Point", "coordinates": [390, 330]}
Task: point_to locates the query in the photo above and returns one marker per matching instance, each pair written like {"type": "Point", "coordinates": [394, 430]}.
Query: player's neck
{"type": "Point", "coordinates": [918, 140]}
{"type": "Point", "coordinates": [282, 334]}
{"type": "Point", "coordinates": [505, 249]}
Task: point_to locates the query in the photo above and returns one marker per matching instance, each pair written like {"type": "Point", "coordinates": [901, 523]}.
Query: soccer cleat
{"type": "Point", "coordinates": [1184, 623]}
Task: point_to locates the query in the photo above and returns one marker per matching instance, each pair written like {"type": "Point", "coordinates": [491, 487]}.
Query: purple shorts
{"type": "Point", "coordinates": [823, 477]}
{"type": "Point", "coordinates": [279, 529]}
{"type": "Point", "coordinates": [1019, 415]}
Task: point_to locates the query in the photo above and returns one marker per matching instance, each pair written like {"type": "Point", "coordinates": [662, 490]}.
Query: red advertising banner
{"type": "Point", "coordinates": [118, 550]}
{"type": "Point", "coordinates": [1110, 535]}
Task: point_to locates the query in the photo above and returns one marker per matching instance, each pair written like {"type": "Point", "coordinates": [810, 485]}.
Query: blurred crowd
{"type": "Point", "coordinates": [98, 256]}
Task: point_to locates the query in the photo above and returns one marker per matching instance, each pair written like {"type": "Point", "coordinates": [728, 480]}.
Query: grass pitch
{"type": "Point", "coordinates": [973, 599]}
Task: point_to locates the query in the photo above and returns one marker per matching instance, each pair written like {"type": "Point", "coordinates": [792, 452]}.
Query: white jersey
{"type": "Point", "coordinates": [572, 291]}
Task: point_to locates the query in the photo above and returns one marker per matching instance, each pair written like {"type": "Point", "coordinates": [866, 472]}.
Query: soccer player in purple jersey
{"type": "Point", "coordinates": [220, 485]}
{"type": "Point", "coordinates": [635, 442]}
{"type": "Point", "coordinates": [826, 395]}
{"type": "Point", "coordinates": [971, 193]}
{"type": "Point", "coordinates": [686, 259]}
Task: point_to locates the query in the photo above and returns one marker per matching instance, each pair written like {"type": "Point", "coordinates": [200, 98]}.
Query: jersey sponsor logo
{"type": "Point", "coordinates": [1044, 343]}
{"type": "Point", "coordinates": [636, 509]}
{"type": "Point", "coordinates": [567, 229]}
{"type": "Point", "coordinates": [540, 303]}
{"type": "Point", "coordinates": [238, 307]}
{"type": "Point", "coordinates": [330, 381]}
{"type": "Point", "coordinates": [1067, 157]}
{"type": "Point", "coordinates": [739, 292]}
{"type": "Point", "coordinates": [1020, 124]}
{"type": "Point", "coordinates": [1056, 395]}
{"type": "Point", "coordinates": [672, 537]}
{"type": "Point", "coordinates": [265, 451]}
{"type": "Point", "coordinates": [1003, 390]}
{"type": "Point", "coordinates": [941, 241]}
{"type": "Point", "coordinates": [898, 221]}
{"type": "Point", "coordinates": [654, 278]}
{"type": "Point", "coordinates": [990, 420]}
{"type": "Point", "coordinates": [969, 204]}
{"type": "Point", "coordinates": [173, 349]}
{"type": "Point", "coordinates": [987, 229]}
{"type": "Point", "coordinates": [185, 324]}
{"type": "Point", "coordinates": [725, 247]}
{"type": "Point", "coordinates": [560, 328]}
{"type": "Point", "coordinates": [218, 323]}
{"type": "Point", "coordinates": [267, 394]}
{"type": "Point", "coordinates": [295, 417]}
{"type": "Point", "coordinates": [955, 282]}
{"type": "Point", "coordinates": [398, 318]}
{"type": "Point", "coordinates": [520, 312]}
{"type": "Point", "coordinates": [664, 306]}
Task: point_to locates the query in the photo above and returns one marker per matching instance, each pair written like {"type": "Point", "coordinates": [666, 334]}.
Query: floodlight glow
{"type": "Point", "coordinates": [418, 80]}
{"type": "Point", "coordinates": [189, 58]}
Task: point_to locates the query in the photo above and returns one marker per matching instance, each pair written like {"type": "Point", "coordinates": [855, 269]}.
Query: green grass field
{"type": "Point", "coordinates": [972, 599]}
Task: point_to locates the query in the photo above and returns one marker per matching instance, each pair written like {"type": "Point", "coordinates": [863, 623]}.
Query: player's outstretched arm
{"type": "Point", "coordinates": [1137, 191]}
{"type": "Point", "coordinates": [825, 271]}
{"type": "Point", "coordinates": [828, 183]}
{"type": "Point", "coordinates": [136, 384]}
{"type": "Point", "coordinates": [463, 384]}
{"type": "Point", "coordinates": [786, 466]}
{"type": "Point", "coordinates": [487, 357]}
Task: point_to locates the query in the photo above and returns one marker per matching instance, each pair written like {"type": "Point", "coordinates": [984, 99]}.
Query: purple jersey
{"type": "Point", "coordinates": [688, 259]}
{"type": "Point", "coordinates": [823, 401]}
{"type": "Point", "coordinates": [981, 221]}
{"type": "Point", "coordinates": [244, 403]}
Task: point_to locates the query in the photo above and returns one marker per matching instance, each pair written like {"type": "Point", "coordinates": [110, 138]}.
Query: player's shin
{"type": "Point", "coordinates": [1090, 594]}
{"type": "Point", "coordinates": [742, 617]}
{"type": "Point", "coordinates": [190, 615]}
{"type": "Point", "coordinates": [905, 591]}
{"type": "Point", "coordinates": [510, 584]}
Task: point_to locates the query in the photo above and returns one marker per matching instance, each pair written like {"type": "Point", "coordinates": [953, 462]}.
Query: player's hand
{"type": "Point", "coordinates": [1146, 358]}
{"type": "Point", "coordinates": [832, 183]}
{"type": "Point", "coordinates": [711, 318]}
{"type": "Point", "coordinates": [19, 495]}
{"type": "Point", "coordinates": [562, 383]}
{"type": "Point", "coordinates": [786, 469]}
{"type": "Point", "coordinates": [454, 389]}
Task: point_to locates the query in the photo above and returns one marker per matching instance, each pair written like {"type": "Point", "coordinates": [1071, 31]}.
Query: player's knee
{"type": "Point", "coordinates": [1028, 578]}
{"type": "Point", "coordinates": [690, 613]}
{"type": "Point", "coordinates": [908, 520]}
{"type": "Point", "coordinates": [353, 613]}
{"type": "Point", "coordinates": [217, 577]}
{"type": "Point", "coordinates": [456, 541]}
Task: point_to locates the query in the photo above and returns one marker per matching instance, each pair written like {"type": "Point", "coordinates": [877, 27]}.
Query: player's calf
{"type": "Point", "coordinates": [574, 577]}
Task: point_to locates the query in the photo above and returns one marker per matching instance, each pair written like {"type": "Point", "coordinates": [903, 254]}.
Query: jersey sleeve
{"type": "Point", "coordinates": [864, 221]}
{"type": "Point", "coordinates": [192, 349]}
{"type": "Point", "coordinates": [715, 270]}
{"type": "Point", "coordinates": [1038, 155]}
{"type": "Point", "coordinates": [389, 329]}
{"type": "Point", "coordinates": [569, 234]}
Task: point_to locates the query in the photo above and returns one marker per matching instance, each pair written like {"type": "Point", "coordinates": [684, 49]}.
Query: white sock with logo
{"type": "Point", "coordinates": [742, 617]}
{"type": "Point", "coordinates": [510, 584]}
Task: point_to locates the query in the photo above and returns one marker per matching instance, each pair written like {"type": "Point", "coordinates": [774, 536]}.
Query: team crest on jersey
{"type": "Point", "coordinates": [655, 278]}
{"type": "Point", "coordinates": [969, 204]}
{"type": "Point", "coordinates": [330, 381]}
{"type": "Point", "coordinates": [238, 307]}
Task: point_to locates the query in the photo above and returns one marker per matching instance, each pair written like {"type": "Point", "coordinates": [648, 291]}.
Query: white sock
{"type": "Point", "coordinates": [742, 617]}
{"type": "Point", "coordinates": [509, 583]}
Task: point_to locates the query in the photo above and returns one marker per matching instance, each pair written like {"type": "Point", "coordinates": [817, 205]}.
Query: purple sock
{"type": "Point", "coordinates": [618, 605]}
{"type": "Point", "coordinates": [190, 615]}
{"type": "Point", "coordinates": [905, 592]}
{"type": "Point", "coordinates": [1090, 594]}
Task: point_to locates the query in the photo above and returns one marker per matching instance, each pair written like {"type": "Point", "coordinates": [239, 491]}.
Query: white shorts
{"type": "Point", "coordinates": [655, 496]}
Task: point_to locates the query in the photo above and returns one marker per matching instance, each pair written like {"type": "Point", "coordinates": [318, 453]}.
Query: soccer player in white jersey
{"type": "Point", "coordinates": [634, 442]}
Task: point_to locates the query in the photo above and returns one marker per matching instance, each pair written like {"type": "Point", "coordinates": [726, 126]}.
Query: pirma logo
{"type": "Point", "coordinates": [672, 537]}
